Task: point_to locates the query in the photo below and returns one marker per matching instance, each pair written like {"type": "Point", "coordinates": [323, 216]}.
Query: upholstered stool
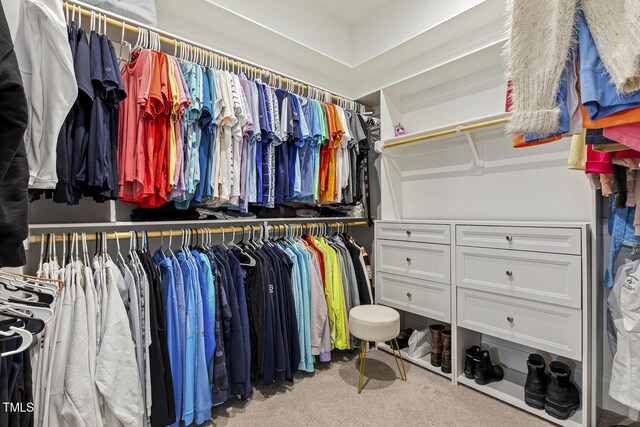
{"type": "Point", "coordinates": [375, 323]}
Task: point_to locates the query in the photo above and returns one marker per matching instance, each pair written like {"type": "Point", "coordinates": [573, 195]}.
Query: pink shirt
{"type": "Point", "coordinates": [131, 129]}
{"type": "Point", "coordinates": [628, 135]}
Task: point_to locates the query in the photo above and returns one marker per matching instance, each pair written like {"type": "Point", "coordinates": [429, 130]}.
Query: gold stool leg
{"type": "Point", "coordinates": [400, 365]}
{"type": "Point", "coordinates": [363, 360]}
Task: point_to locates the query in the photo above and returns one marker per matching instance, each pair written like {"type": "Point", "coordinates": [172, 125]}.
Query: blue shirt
{"type": "Point", "coordinates": [170, 304]}
{"type": "Point", "coordinates": [189, 375]}
{"type": "Point", "coordinates": [599, 94]}
{"type": "Point", "coordinates": [206, 141]}
{"type": "Point", "coordinates": [202, 385]}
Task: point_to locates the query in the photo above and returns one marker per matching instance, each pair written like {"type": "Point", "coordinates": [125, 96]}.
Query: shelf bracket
{"type": "Point", "coordinates": [477, 166]}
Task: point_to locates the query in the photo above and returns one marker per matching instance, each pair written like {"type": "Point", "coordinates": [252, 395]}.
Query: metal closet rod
{"type": "Point", "coordinates": [452, 131]}
{"type": "Point", "coordinates": [201, 230]}
{"type": "Point", "coordinates": [167, 38]}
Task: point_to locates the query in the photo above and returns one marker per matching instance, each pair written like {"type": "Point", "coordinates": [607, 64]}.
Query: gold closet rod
{"type": "Point", "coordinates": [204, 230]}
{"type": "Point", "coordinates": [452, 131]}
{"type": "Point", "coordinates": [195, 48]}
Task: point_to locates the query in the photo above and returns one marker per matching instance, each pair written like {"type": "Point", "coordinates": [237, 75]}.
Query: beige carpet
{"type": "Point", "coordinates": [329, 397]}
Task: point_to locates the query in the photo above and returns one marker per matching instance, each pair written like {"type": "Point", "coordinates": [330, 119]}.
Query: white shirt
{"type": "Point", "coordinates": [41, 44]}
{"type": "Point", "coordinates": [624, 303]}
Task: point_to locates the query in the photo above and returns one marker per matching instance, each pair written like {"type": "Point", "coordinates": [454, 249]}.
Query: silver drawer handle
{"type": "Point", "coordinates": [510, 319]}
{"type": "Point", "coordinates": [409, 233]}
{"type": "Point", "coordinates": [509, 273]}
{"type": "Point", "coordinates": [509, 238]}
{"type": "Point", "coordinates": [408, 294]}
{"type": "Point", "coordinates": [408, 260]}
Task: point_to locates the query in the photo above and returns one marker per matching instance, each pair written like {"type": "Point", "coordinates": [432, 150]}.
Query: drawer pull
{"type": "Point", "coordinates": [510, 319]}
{"type": "Point", "coordinates": [509, 273]}
{"type": "Point", "coordinates": [509, 238]}
{"type": "Point", "coordinates": [409, 260]}
{"type": "Point", "coordinates": [409, 295]}
{"type": "Point", "coordinates": [408, 233]}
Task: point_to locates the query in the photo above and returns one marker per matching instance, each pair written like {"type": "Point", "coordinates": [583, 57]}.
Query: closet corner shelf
{"type": "Point", "coordinates": [423, 362]}
{"type": "Point", "coordinates": [452, 130]}
{"type": "Point", "coordinates": [511, 391]}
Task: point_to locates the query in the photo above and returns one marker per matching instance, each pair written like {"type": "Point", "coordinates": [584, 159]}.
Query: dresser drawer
{"type": "Point", "coordinates": [537, 239]}
{"type": "Point", "coordinates": [545, 327]}
{"type": "Point", "coordinates": [418, 260]}
{"type": "Point", "coordinates": [412, 232]}
{"type": "Point", "coordinates": [551, 278]}
{"type": "Point", "coordinates": [429, 299]}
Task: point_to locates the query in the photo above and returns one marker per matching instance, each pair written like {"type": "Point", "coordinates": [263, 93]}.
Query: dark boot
{"type": "Point", "coordinates": [535, 388]}
{"type": "Point", "coordinates": [469, 363]}
{"type": "Point", "coordinates": [562, 395]}
{"type": "Point", "coordinates": [445, 334]}
{"type": "Point", "coordinates": [436, 344]}
{"type": "Point", "coordinates": [486, 372]}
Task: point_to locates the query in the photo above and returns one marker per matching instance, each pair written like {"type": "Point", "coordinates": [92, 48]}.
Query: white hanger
{"type": "Point", "coordinates": [43, 313]}
{"type": "Point", "coordinates": [25, 335]}
{"type": "Point", "coordinates": [223, 244]}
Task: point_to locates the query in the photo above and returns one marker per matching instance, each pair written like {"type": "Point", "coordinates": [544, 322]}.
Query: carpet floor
{"type": "Point", "coordinates": [329, 397]}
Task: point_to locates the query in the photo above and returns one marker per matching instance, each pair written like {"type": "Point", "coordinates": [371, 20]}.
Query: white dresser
{"type": "Point", "coordinates": [515, 288]}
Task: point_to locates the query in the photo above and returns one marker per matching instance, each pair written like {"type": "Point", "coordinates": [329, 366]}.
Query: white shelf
{"type": "Point", "coordinates": [423, 362]}
{"type": "Point", "coordinates": [450, 126]}
{"type": "Point", "coordinates": [511, 391]}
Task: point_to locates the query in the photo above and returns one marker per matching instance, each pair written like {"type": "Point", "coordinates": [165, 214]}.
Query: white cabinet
{"type": "Point", "coordinates": [543, 326]}
{"type": "Point", "coordinates": [552, 278]}
{"type": "Point", "coordinates": [540, 239]}
{"type": "Point", "coordinates": [413, 268]}
{"type": "Point", "coordinates": [523, 284]}
{"type": "Point", "coordinates": [418, 260]}
{"type": "Point", "coordinates": [414, 232]}
{"type": "Point", "coordinates": [428, 299]}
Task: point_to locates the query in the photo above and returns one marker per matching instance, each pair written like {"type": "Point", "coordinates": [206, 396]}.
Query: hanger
{"type": "Point", "coordinates": [43, 313]}
{"type": "Point", "coordinates": [223, 244]}
{"type": "Point", "coordinates": [32, 325]}
{"type": "Point", "coordinates": [23, 334]}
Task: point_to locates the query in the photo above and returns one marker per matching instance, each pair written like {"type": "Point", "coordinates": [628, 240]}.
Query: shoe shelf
{"type": "Point", "coordinates": [511, 391]}
{"type": "Point", "coordinates": [423, 362]}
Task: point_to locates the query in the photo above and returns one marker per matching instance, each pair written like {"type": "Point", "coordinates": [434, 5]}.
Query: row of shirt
{"type": "Point", "coordinates": [189, 133]}
{"type": "Point", "coordinates": [160, 130]}
{"type": "Point", "coordinates": [160, 338]}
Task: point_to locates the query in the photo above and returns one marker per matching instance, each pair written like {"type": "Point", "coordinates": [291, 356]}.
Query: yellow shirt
{"type": "Point", "coordinates": [173, 143]}
{"type": "Point", "coordinates": [335, 296]}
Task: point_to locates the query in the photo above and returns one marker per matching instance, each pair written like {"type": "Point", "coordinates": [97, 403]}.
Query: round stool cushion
{"type": "Point", "coordinates": [374, 322]}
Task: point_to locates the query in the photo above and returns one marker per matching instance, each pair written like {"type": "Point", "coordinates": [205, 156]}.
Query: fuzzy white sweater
{"type": "Point", "coordinates": [542, 33]}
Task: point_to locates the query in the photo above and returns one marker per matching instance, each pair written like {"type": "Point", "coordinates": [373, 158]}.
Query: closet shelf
{"type": "Point", "coordinates": [511, 391]}
{"type": "Point", "coordinates": [424, 362]}
{"type": "Point", "coordinates": [182, 224]}
{"type": "Point", "coordinates": [456, 130]}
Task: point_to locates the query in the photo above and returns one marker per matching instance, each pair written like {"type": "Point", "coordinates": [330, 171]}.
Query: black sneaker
{"type": "Point", "coordinates": [562, 397]}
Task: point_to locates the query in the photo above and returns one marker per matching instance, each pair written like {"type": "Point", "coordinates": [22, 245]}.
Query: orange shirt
{"type": "Point", "coordinates": [325, 154]}
{"type": "Point", "coordinates": [631, 115]}
{"type": "Point", "coordinates": [518, 141]}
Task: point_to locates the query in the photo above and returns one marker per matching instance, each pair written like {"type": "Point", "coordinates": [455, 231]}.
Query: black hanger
{"type": "Point", "coordinates": [31, 324]}
{"type": "Point", "coordinates": [44, 298]}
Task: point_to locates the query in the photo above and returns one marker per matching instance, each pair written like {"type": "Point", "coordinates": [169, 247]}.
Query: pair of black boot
{"type": "Point", "coordinates": [478, 367]}
{"type": "Point", "coordinates": [553, 392]}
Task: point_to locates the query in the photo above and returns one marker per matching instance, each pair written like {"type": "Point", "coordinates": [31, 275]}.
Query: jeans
{"type": "Point", "coordinates": [622, 231]}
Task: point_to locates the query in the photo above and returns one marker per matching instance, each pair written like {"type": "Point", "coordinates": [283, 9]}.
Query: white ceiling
{"type": "Point", "coordinates": [349, 11]}
{"type": "Point", "coordinates": [351, 47]}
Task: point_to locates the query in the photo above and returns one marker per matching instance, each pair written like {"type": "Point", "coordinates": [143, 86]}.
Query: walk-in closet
{"type": "Point", "coordinates": [240, 213]}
